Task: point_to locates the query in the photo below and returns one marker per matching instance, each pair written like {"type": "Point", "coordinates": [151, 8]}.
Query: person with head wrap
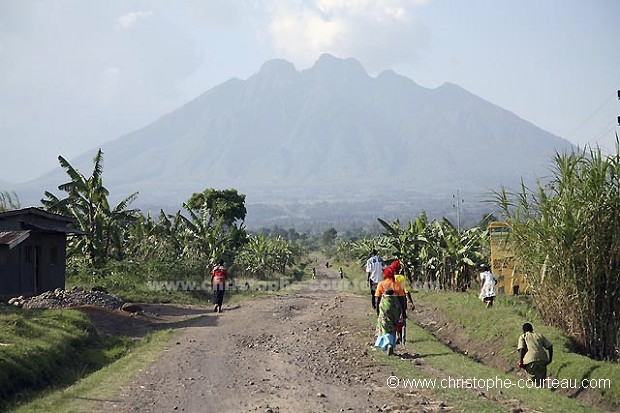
{"type": "Point", "coordinates": [391, 304]}
{"type": "Point", "coordinates": [404, 282]}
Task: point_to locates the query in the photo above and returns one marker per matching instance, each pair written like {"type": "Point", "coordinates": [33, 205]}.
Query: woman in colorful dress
{"type": "Point", "coordinates": [391, 305]}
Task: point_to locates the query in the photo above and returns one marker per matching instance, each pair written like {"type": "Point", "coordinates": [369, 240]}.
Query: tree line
{"type": "Point", "coordinates": [565, 234]}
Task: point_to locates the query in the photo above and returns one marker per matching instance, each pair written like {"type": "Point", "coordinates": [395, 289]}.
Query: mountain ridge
{"type": "Point", "coordinates": [330, 129]}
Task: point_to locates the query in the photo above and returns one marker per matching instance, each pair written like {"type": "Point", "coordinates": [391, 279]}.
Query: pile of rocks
{"type": "Point", "coordinates": [76, 296]}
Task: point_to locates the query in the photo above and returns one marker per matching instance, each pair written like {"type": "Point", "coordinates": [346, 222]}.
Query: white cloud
{"type": "Point", "coordinates": [380, 33]}
{"type": "Point", "coordinates": [126, 21]}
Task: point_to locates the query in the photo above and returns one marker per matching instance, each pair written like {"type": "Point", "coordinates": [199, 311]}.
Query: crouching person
{"type": "Point", "coordinates": [533, 348]}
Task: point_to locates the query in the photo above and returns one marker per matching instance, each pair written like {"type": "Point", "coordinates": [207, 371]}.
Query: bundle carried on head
{"type": "Point", "coordinates": [391, 270]}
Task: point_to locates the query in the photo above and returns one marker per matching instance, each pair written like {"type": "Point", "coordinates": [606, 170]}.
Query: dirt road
{"type": "Point", "coordinates": [308, 351]}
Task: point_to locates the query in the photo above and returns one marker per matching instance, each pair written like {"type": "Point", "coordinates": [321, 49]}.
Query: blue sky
{"type": "Point", "coordinates": [75, 74]}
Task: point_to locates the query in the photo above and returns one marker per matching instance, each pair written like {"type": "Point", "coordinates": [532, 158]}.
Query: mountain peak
{"type": "Point", "coordinates": [325, 130]}
{"type": "Point", "coordinates": [330, 65]}
{"type": "Point", "coordinates": [277, 67]}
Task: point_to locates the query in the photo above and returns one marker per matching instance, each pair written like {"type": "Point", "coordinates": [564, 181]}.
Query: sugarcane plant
{"type": "Point", "coordinates": [566, 237]}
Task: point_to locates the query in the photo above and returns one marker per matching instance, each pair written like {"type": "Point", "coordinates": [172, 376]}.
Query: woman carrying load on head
{"type": "Point", "coordinates": [219, 274]}
{"type": "Point", "coordinates": [391, 304]}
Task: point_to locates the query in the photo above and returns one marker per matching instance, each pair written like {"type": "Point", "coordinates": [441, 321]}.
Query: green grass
{"type": "Point", "coordinates": [503, 324]}
{"type": "Point", "coordinates": [89, 393]}
{"type": "Point", "coordinates": [139, 282]}
{"type": "Point", "coordinates": [443, 359]}
{"type": "Point", "coordinates": [42, 351]}
{"type": "Point", "coordinates": [42, 348]}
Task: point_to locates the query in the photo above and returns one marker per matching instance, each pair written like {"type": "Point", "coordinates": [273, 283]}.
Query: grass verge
{"type": "Point", "coordinates": [41, 348]}
{"type": "Point", "coordinates": [103, 386]}
{"type": "Point", "coordinates": [502, 324]}
{"type": "Point", "coordinates": [447, 363]}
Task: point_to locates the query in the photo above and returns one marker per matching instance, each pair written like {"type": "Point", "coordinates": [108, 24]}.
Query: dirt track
{"type": "Point", "coordinates": [304, 352]}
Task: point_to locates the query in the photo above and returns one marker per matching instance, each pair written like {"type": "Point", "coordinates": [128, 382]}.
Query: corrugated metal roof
{"type": "Point", "coordinates": [54, 228]}
{"type": "Point", "coordinates": [36, 211]}
{"type": "Point", "coordinates": [13, 238]}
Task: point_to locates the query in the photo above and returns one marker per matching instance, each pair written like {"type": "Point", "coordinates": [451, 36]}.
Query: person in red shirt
{"type": "Point", "coordinates": [218, 285]}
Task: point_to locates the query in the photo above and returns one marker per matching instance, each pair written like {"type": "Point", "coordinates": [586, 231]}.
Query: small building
{"type": "Point", "coordinates": [33, 251]}
{"type": "Point", "coordinates": [510, 281]}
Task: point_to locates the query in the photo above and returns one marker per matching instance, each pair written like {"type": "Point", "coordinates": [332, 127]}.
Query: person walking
{"type": "Point", "coordinates": [391, 307]}
{"type": "Point", "coordinates": [219, 274]}
{"type": "Point", "coordinates": [533, 348]}
{"type": "Point", "coordinates": [341, 272]}
{"type": "Point", "coordinates": [404, 282]}
{"type": "Point", "coordinates": [487, 281]}
{"type": "Point", "coordinates": [374, 270]}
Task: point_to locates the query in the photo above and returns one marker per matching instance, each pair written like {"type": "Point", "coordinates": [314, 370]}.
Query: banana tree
{"type": "Point", "coordinates": [87, 202]}
{"type": "Point", "coordinates": [462, 253]}
{"type": "Point", "coordinates": [406, 243]}
{"type": "Point", "coordinates": [9, 201]}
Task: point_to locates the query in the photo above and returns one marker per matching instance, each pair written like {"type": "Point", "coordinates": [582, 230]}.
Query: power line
{"type": "Point", "coordinates": [608, 129]}
{"type": "Point", "coordinates": [602, 105]}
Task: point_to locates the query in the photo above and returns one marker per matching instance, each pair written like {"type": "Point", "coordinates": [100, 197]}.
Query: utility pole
{"type": "Point", "coordinates": [456, 203]}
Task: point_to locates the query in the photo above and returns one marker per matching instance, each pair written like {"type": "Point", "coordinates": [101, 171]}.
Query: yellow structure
{"type": "Point", "coordinates": [509, 282]}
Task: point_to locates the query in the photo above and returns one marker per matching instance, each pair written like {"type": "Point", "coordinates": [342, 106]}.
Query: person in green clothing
{"type": "Point", "coordinates": [533, 348]}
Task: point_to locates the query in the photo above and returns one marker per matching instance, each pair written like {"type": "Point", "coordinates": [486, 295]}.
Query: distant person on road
{"type": "Point", "coordinates": [532, 348]}
{"type": "Point", "coordinates": [487, 281]}
{"type": "Point", "coordinates": [391, 306]}
{"type": "Point", "coordinates": [313, 272]}
{"type": "Point", "coordinates": [219, 274]}
{"type": "Point", "coordinates": [341, 273]}
{"type": "Point", "coordinates": [374, 269]}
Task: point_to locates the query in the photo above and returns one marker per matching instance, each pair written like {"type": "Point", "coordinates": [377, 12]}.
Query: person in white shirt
{"type": "Point", "coordinates": [374, 269]}
{"type": "Point", "coordinates": [487, 281]}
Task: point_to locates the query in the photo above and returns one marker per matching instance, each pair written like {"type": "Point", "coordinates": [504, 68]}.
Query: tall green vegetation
{"type": "Point", "coordinates": [436, 253]}
{"type": "Point", "coordinates": [214, 227]}
{"type": "Point", "coordinates": [261, 257]}
{"type": "Point", "coordinates": [432, 253]}
{"type": "Point", "coordinates": [566, 235]}
{"type": "Point", "coordinates": [8, 201]}
{"type": "Point", "coordinates": [87, 202]}
{"type": "Point", "coordinates": [120, 242]}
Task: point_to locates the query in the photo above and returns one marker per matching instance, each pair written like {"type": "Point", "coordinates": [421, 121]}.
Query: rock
{"type": "Point", "coordinates": [131, 308]}
{"type": "Point", "coordinates": [72, 298]}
